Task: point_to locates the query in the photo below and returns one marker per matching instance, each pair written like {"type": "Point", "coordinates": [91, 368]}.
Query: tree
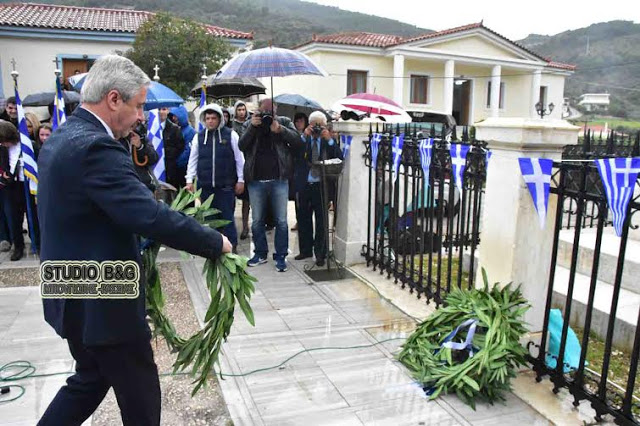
{"type": "Point", "coordinates": [179, 47]}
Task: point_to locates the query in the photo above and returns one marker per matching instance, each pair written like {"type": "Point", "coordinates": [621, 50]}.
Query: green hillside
{"type": "Point", "coordinates": [285, 22]}
{"type": "Point", "coordinates": [608, 60]}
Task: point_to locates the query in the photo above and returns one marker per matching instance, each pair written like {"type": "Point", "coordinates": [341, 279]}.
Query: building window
{"type": "Point", "coordinates": [543, 95]}
{"type": "Point", "coordinates": [419, 89]}
{"type": "Point", "coordinates": [356, 82]}
{"type": "Point", "coordinates": [501, 97]}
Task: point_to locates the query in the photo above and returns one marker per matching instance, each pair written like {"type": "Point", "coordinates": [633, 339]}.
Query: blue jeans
{"type": "Point", "coordinates": [276, 194]}
{"type": "Point", "coordinates": [224, 199]}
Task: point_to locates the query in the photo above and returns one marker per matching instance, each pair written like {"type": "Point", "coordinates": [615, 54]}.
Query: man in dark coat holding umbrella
{"type": "Point", "coordinates": [91, 205]}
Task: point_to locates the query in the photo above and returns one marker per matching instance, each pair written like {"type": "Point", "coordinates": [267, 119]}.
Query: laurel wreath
{"type": "Point", "coordinates": [228, 284]}
{"type": "Point", "coordinates": [497, 352]}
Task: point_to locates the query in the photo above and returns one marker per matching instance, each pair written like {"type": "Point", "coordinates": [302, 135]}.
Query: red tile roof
{"type": "Point", "coordinates": [88, 19]}
{"type": "Point", "coordinates": [386, 40]}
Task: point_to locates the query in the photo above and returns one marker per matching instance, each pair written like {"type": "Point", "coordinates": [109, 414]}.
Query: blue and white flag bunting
{"type": "Point", "coordinates": [346, 145]}
{"type": "Point", "coordinates": [536, 173]}
{"type": "Point", "coordinates": [375, 146]}
{"type": "Point", "coordinates": [59, 116]}
{"type": "Point", "coordinates": [203, 102]}
{"type": "Point", "coordinates": [619, 179]}
{"type": "Point", "coordinates": [397, 144]}
{"type": "Point", "coordinates": [29, 164]}
{"type": "Point", "coordinates": [459, 163]}
{"type": "Point", "coordinates": [426, 148]}
{"type": "Point", "coordinates": [487, 158]}
{"type": "Point", "coordinates": [154, 134]}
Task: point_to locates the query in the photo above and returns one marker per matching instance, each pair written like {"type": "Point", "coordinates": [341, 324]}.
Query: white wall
{"type": "Point", "coordinates": [35, 60]}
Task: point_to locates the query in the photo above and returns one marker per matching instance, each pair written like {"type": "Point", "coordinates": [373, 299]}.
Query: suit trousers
{"type": "Point", "coordinates": [129, 368]}
{"type": "Point", "coordinates": [310, 205]}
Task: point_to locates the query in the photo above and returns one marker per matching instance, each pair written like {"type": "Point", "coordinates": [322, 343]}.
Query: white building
{"type": "Point", "coordinates": [35, 36]}
{"type": "Point", "coordinates": [594, 101]}
{"type": "Point", "coordinates": [453, 71]}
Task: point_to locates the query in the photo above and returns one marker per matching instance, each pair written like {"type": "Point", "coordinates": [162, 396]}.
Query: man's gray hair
{"type": "Point", "coordinates": [113, 72]}
{"type": "Point", "coordinates": [318, 116]}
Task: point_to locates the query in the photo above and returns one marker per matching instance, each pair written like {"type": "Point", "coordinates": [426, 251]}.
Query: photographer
{"type": "Point", "coordinates": [268, 143]}
{"type": "Point", "coordinates": [143, 155]}
{"type": "Point", "coordinates": [319, 146]}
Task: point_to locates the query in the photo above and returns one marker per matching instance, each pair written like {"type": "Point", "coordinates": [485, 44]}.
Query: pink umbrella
{"type": "Point", "coordinates": [374, 106]}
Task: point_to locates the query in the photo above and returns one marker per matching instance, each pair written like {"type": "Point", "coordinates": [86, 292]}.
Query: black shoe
{"type": "Point", "coordinates": [17, 254]}
{"type": "Point", "coordinates": [302, 256]}
{"type": "Point", "coordinates": [320, 262]}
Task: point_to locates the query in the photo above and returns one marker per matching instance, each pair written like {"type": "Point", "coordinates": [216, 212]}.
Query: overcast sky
{"type": "Point", "coordinates": [513, 19]}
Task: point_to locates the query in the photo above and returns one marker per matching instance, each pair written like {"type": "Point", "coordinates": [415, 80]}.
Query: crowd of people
{"type": "Point", "coordinates": [241, 153]}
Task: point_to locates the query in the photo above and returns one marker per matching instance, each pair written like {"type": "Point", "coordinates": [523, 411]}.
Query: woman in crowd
{"type": "Point", "coordinates": [300, 121]}
{"type": "Point", "coordinates": [44, 132]}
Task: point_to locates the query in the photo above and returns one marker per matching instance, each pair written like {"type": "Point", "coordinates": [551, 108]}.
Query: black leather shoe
{"type": "Point", "coordinates": [302, 256]}
{"type": "Point", "coordinates": [320, 262]}
{"type": "Point", "coordinates": [17, 254]}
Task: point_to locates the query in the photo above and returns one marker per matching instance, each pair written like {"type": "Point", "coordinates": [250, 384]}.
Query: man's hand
{"type": "Point", "coordinates": [325, 134]}
{"type": "Point", "coordinates": [226, 245]}
{"type": "Point", "coordinates": [275, 126]}
{"type": "Point", "coordinates": [189, 187]}
{"type": "Point", "coordinates": [256, 119]}
{"type": "Point", "coordinates": [239, 189]}
{"type": "Point", "coordinates": [308, 131]}
{"type": "Point", "coordinates": [134, 138]}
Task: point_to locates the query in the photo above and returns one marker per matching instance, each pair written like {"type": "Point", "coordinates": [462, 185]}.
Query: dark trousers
{"type": "Point", "coordinates": [5, 209]}
{"type": "Point", "coordinates": [128, 368]}
{"type": "Point", "coordinates": [17, 207]}
{"type": "Point", "coordinates": [310, 206]}
{"type": "Point", "coordinates": [224, 199]}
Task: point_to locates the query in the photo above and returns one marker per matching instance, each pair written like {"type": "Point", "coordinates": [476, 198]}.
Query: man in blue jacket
{"type": "Point", "coordinates": [91, 205]}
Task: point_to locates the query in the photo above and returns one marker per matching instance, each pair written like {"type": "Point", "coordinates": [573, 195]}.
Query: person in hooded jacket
{"type": "Point", "coordinates": [218, 164]}
{"type": "Point", "coordinates": [240, 116]}
{"type": "Point", "coordinates": [188, 132]}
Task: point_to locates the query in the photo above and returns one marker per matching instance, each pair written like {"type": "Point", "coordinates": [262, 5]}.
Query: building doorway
{"type": "Point", "coordinates": [462, 102]}
{"type": "Point", "coordinates": [71, 67]}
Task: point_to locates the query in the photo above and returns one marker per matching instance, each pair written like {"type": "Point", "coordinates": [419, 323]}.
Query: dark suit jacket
{"type": "Point", "coordinates": [328, 149]}
{"type": "Point", "coordinates": [91, 204]}
{"type": "Point", "coordinates": [173, 143]}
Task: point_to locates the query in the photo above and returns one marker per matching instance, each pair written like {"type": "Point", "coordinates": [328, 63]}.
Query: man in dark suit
{"type": "Point", "coordinates": [319, 145]}
{"type": "Point", "coordinates": [173, 143]}
{"type": "Point", "coordinates": [91, 205]}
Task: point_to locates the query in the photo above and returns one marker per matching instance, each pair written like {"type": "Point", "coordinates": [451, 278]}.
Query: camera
{"type": "Point", "coordinates": [316, 129]}
{"type": "Point", "coordinates": [141, 130]}
{"type": "Point", "coordinates": [266, 118]}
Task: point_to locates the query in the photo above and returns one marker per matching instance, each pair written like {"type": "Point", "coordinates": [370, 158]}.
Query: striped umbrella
{"type": "Point", "coordinates": [375, 106]}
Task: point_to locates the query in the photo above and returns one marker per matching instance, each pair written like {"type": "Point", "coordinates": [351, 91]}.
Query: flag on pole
{"type": "Point", "coordinates": [29, 164]}
{"type": "Point", "coordinates": [346, 145]}
{"type": "Point", "coordinates": [487, 158]}
{"type": "Point", "coordinates": [398, 143]}
{"type": "Point", "coordinates": [536, 173]}
{"type": "Point", "coordinates": [458, 163]}
{"type": "Point", "coordinates": [375, 146]}
{"type": "Point", "coordinates": [203, 102]}
{"type": "Point", "coordinates": [426, 148]}
{"type": "Point", "coordinates": [154, 134]}
{"type": "Point", "coordinates": [619, 177]}
{"type": "Point", "coordinates": [59, 116]}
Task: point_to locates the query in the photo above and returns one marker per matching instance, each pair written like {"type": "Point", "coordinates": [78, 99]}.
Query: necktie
{"type": "Point", "coordinates": [315, 156]}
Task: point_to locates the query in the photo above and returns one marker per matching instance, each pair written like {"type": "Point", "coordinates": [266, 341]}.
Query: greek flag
{"type": "Point", "coordinates": [29, 164]}
{"type": "Point", "coordinates": [619, 179]}
{"type": "Point", "coordinates": [425, 147]}
{"type": "Point", "coordinates": [59, 116]}
{"type": "Point", "coordinates": [154, 134]}
{"type": "Point", "coordinates": [203, 102]}
{"type": "Point", "coordinates": [487, 158]}
{"type": "Point", "coordinates": [398, 143]}
{"type": "Point", "coordinates": [375, 146]}
{"type": "Point", "coordinates": [458, 163]}
{"type": "Point", "coordinates": [346, 145]}
{"type": "Point", "coordinates": [536, 173]}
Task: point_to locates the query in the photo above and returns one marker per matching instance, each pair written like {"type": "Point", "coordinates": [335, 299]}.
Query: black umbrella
{"type": "Point", "coordinates": [48, 98]}
{"type": "Point", "coordinates": [230, 87]}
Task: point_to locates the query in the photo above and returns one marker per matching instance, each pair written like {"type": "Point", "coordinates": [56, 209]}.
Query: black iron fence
{"type": "Point", "coordinates": [423, 233]}
{"type": "Point", "coordinates": [605, 375]}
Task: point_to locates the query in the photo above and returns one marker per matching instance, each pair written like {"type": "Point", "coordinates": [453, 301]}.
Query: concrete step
{"type": "Point", "coordinates": [626, 314]}
{"type": "Point", "coordinates": [608, 256]}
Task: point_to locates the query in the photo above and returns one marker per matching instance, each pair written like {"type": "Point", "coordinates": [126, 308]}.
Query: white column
{"type": "Point", "coordinates": [449, 70]}
{"type": "Point", "coordinates": [513, 248]}
{"type": "Point", "coordinates": [398, 79]}
{"type": "Point", "coordinates": [495, 90]}
{"type": "Point", "coordinates": [536, 81]}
